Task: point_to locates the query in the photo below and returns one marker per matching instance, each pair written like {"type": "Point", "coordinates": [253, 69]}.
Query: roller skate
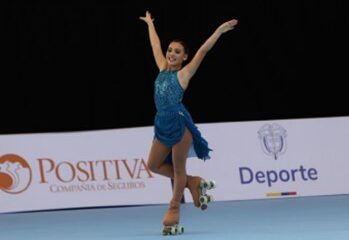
{"type": "Point", "coordinates": [205, 199]}
{"type": "Point", "coordinates": [171, 220]}
{"type": "Point", "coordinates": [198, 187]}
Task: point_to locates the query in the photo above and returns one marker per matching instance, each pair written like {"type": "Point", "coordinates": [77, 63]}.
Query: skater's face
{"type": "Point", "coordinates": [176, 54]}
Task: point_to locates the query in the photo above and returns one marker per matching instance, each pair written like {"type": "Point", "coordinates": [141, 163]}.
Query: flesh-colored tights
{"type": "Point", "coordinates": [177, 171]}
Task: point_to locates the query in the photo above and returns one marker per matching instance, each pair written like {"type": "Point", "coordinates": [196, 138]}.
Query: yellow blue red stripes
{"type": "Point", "coordinates": [280, 194]}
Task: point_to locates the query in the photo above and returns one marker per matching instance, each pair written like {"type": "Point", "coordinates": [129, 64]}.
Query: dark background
{"type": "Point", "coordinates": [88, 65]}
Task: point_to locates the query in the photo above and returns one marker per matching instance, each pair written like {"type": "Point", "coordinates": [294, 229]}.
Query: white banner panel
{"type": "Point", "coordinates": [250, 160]}
{"type": "Point", "coordinates": [279, 158]}
{"type": "Point", "coordinates": [80, 169]}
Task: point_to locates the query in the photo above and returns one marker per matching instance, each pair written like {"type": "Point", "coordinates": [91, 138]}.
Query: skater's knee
{"type": "Point", "coordinates": [152, 166]}
{"type": "Point", "coordinates": [180, 172]}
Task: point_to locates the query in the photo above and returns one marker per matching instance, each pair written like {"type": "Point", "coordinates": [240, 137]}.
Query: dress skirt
{"type": "Point", "coordinates": [169, 126]}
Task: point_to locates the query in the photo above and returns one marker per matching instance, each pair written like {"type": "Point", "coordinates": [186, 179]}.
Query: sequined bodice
{"type": "Point", "coordinates": [168, 92]}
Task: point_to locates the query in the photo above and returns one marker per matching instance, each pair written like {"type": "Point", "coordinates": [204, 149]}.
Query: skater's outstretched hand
{"type": "Point", "coordinates": [227, 26]}
{"type": "Point", "coordinates": [154, 41]}
{"type": "Point", "coordinates": [147, 18]}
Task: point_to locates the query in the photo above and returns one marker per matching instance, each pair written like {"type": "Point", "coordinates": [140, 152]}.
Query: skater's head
{"type": "Point", "coordinates": [177, 53]}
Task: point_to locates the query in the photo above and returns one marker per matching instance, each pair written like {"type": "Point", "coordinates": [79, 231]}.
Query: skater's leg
{"type": "Point", "coordinates": [157, 155]}
{"type": "Point", "coordinates": [179, 156]}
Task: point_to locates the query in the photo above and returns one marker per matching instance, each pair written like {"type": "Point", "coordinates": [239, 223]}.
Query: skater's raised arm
{"type": "Point", "coordinates": [154, 41]}
{"type": "Point", "coordinates": [189, 70]}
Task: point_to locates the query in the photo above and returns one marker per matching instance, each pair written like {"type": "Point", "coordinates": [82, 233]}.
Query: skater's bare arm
{"type": "Point", "coordinates": [189, 70]}
{"type": "Point", "coordinates": [154, 41]}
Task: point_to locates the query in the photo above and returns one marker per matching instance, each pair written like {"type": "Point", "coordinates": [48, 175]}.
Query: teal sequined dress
{"type": "Point", "coordinates": [172, 117]}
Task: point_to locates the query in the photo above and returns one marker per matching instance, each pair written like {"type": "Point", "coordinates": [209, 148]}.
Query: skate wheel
{"type": "Point", "coordinates": [169, 230]}
{"type": "Point", "coordinates": [165, 231]}
{"type": "Point", "coordinates": [212, 184]}
{"type": "Point", "coordinates": [204, 184]}
{"type": "Point", "coordinates": [207, 184]}
{"type": "Point", "coordinates": [205, 199]}
{"type": "Point", "coordinates": [173, 230]}
{"type": "Point", "coordinates": [180, 230]}
{"type": "Point", "coordinates": [203, 206]}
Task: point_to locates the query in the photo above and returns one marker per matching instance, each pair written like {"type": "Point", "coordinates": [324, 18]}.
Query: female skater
{"type": "Point", "coordinates": [176, 136]}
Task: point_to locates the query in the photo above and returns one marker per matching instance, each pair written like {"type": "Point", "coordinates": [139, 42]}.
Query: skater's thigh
{"type": "Point", "coordinates": [158, 153]}
{"type": "Point", "coordinates": [181, 149]}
